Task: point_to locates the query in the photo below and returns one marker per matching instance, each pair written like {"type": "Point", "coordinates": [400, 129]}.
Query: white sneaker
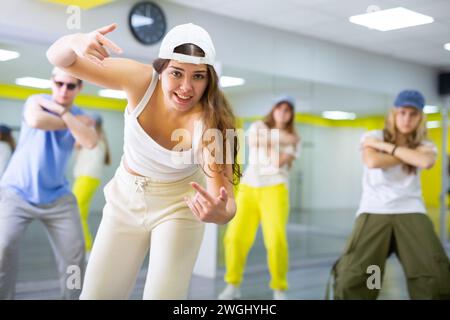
{"type": "Point", "coordinates": [279, 295]}
{"type": "Point", "coordinates": [230, 292]}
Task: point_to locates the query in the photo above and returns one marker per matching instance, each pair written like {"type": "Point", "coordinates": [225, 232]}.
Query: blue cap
{"type": "Point", "coordinates": [286, 98]}
{"type": "Point", "coordinates": [5, 129]}
{"type": "Point", "coordinates": [410, 98]}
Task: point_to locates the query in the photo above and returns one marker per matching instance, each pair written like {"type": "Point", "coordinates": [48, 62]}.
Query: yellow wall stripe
{"type": "Point", "coordinates": [14, 92]}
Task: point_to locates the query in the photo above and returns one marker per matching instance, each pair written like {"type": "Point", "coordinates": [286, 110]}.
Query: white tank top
{"type": "Point", "coordinates": [146, 157]}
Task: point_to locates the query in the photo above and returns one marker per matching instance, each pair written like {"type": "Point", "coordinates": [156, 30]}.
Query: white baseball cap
{"type": "Point", "coordinates": [188, 33]}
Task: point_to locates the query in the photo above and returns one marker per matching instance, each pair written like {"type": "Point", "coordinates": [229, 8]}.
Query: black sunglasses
{"type": "Point", "coordinates": [70, 86]}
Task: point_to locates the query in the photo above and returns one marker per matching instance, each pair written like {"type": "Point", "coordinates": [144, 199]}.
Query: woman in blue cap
{"type": "Point", "coordinates": [7, 146]}
{"type": "Point", "coordinates": [87, 171]}
{"type": "Point", "coordinates": [392, 217]}
{"type": "Point", "coordinates": [263, 198]}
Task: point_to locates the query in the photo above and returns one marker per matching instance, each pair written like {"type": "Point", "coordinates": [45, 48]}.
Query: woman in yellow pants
{"type": "Point", "coordinates": [88, 172]}
{"type": "Point", "coordinates": [263, 198]}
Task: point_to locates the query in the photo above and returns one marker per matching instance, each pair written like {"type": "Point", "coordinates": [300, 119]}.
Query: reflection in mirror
{"type": "Point", "coordinates": [325, 181]}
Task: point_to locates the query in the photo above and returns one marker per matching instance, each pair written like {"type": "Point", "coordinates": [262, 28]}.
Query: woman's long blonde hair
{"type": "Point", "coordinates": [217, 112]}
{"type": "Point", "coordinates": [413, 140]}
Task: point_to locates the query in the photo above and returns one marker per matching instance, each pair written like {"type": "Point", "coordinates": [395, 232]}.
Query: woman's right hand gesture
{"type": "Point", "coordinates": [93, 45]}
{"type": "Point", "coordinates": [85, 57]}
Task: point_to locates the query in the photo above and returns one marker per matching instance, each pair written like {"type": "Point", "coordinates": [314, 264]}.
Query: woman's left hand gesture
{"type": "Point", "coordinates": [207, 207]}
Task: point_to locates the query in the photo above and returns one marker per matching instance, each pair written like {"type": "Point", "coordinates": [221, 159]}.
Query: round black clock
{"type": "Point", "coordinates": [147, 22]}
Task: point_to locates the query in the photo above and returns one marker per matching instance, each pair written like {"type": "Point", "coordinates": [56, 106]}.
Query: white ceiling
{"type": "Point", "coordinates": [328, 20]}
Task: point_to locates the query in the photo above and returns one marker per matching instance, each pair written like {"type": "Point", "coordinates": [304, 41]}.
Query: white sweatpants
{"type": "Point", "coordinates": [139, 214]}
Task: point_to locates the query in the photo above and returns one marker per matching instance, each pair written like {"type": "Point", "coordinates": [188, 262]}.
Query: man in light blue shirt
{"type": "Point", "coordinates": [34, 186]}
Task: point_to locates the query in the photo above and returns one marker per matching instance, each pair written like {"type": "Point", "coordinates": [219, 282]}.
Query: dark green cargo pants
{"type": "Point", "coordinates": [412, 238]}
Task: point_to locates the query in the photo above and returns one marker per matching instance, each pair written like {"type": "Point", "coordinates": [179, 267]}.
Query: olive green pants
{"type": "Point", "coordinates": [374, 237]}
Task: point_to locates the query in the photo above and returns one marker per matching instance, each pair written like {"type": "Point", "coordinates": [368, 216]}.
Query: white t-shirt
{"type": "Point", "coordinates": [90, 162]}
{"type": "Point", "coordinates": [260, 171]}
{"type": "Point", "coordinates": [5, 155]}
{"type": "Point", "coordinates": [391, 190]}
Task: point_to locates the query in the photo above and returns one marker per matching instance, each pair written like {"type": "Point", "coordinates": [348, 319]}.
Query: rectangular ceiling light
{"type": "Point", "coordinates": [338, 115]}
{"type": "Point", "coordinates": [433, 124]}
{"type": "Point", "coordinates": [6, 55]}
{"type": "Point", "coordinates": [109, 93]}
{"type": "Point", "coordinates": [431, 109]}
{"type": "Point", "coordinates": [391, 19]}
{"type": "Point", "coordinates": [447, 46]}
{"type": "Point", "coordinates": [226, 81]}
{"type": "Point", "coordinates": [34, 82]}
{"type": "Point", "coordinates": [83, 4]}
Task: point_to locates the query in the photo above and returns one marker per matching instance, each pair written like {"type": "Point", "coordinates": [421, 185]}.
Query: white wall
{"type": "Point", "coordinates": [331, 167]}
{"type": "Point", "coordinates": [312, 98]}
{"type": "Point", "coordinates": [10, 112]}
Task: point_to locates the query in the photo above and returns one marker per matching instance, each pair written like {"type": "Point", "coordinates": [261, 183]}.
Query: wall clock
{"type": "Point", "coordinates": [147, 22]}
